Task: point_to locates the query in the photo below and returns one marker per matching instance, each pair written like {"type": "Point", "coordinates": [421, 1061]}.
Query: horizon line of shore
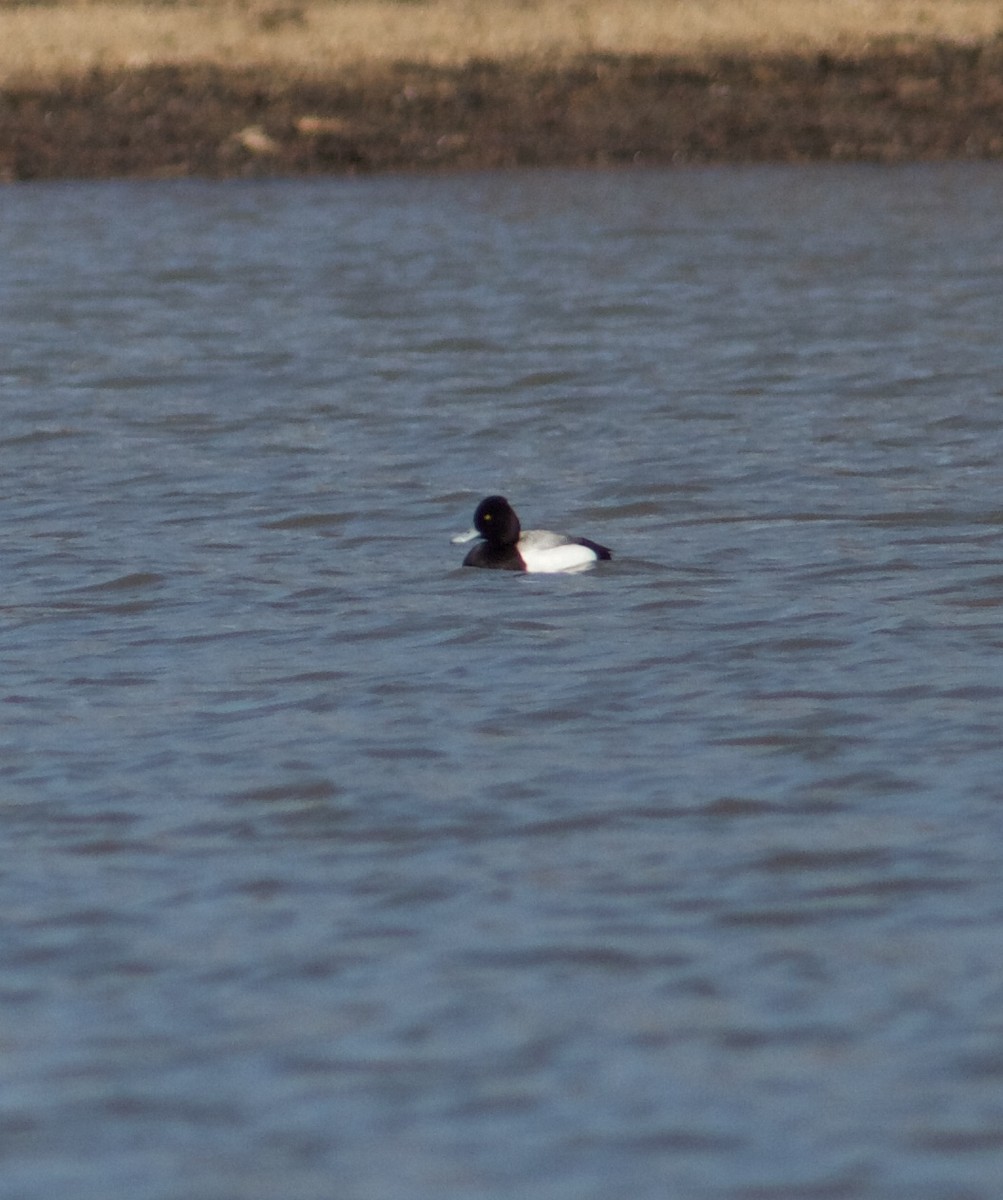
{"type": "Point", "coordinates": [915, 101]}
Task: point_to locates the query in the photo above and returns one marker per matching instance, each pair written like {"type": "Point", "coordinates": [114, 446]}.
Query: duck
{"type": "Point", "coordinates": [506, 546]}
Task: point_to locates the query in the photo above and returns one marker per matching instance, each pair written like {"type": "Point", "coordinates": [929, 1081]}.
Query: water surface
{"type": "Point", "coordinates": [332, 869]}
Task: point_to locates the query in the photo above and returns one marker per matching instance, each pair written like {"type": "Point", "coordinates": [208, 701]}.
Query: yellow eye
{"type": "Point", "coordinates": [487, 516]}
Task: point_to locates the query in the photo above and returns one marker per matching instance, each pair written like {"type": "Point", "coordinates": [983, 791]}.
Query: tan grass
{"type": "Point", "coordinates": [316, 36]}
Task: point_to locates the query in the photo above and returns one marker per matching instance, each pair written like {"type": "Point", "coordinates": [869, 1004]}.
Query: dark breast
{"type": "Point", "coordinates": [498, 558]}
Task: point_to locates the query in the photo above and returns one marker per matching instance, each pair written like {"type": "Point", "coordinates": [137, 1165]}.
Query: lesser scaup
{"type": "Point", "coordinates": [508, 547]}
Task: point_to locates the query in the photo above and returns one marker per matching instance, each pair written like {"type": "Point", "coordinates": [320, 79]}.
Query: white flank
{"type": "Point", "coordinates": [548, 553]}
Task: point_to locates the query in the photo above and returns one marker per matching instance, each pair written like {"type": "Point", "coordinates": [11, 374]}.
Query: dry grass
{"type": "Point", "coordinates": [309, 37]}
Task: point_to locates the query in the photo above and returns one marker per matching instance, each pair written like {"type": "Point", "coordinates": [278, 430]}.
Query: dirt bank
{"type": "Point", "coordinates": [903, 101]}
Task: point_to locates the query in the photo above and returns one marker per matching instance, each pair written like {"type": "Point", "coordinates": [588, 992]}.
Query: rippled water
{"type": "Point", "coordinates": [331, 869]}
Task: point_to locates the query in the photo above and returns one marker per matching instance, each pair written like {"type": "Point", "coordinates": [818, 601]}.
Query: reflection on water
{"type": "Point", "coordinates": [331, 867]}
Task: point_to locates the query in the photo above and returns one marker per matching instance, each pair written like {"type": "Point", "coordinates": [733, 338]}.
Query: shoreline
{"type": "Point", "coordinates": [910, 100]}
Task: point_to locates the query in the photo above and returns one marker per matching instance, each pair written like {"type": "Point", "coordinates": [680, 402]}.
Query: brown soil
{"type": "Point", "coordinates": [900, 102]}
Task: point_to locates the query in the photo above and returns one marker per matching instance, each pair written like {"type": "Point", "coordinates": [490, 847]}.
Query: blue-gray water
{"type": "Point", "coordinates": [329, 869]}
